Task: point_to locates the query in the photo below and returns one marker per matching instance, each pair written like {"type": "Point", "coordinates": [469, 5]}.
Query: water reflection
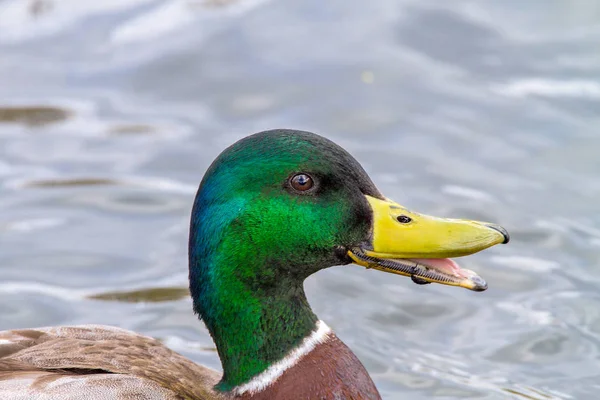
{"type": "Point", "coordinates": [34, 116]}
{"type": "Point", "coordinates": [144, 295]}
{"type": "Point", "coordinates": [57, 183]}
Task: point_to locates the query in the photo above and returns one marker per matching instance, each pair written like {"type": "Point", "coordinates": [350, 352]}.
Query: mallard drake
{"type": "Point", "coordinates": [272, 209]}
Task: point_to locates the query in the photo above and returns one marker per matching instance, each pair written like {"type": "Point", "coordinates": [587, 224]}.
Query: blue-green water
{"type": "Point", "coordinates": [111, 111]}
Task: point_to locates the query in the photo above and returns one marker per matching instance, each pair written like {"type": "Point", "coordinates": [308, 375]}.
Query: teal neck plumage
{"type": "Point", "coordinates": [253, 241]}
{"type": "Point", "coordinates": [253, 322]}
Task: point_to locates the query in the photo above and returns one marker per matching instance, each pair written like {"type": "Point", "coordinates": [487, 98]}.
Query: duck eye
{"type": "Point", "coordinates": [403, 219]}
{"type": "Point", "coordinates": [301, 182]}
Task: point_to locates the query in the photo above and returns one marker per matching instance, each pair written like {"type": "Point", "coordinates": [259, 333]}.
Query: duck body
{"type": "Point", "coordinates": [271, 210]}
{"type": "Point", "coordinates": [104, 362]}
{"type": "Point", "coordinates": [97, 362]}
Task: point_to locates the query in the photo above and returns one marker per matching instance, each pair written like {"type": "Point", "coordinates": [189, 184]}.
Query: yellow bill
{"type": "Point", "coordinates": [416, 245]}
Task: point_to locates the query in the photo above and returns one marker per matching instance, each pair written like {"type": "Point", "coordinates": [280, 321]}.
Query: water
{"type": "Point", "coordinates": [110, 112]}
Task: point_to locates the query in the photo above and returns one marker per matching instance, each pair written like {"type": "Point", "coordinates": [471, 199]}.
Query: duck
{"type": "Point", "coordinates": [272, 209]}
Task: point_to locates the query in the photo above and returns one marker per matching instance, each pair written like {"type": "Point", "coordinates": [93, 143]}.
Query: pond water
{"type": "Point", "coordinates": [111, 111]}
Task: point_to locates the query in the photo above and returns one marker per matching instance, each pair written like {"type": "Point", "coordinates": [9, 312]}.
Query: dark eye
{"type": "Point", "coordinates": [302, 182]}
{"type": "Point", "coordinates": [403, 219]}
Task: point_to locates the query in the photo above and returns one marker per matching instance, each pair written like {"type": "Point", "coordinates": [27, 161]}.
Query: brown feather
{"type": "Point", "coordinates": [67, 359]}
{"type": "Point", "coordinates": [330, 372]}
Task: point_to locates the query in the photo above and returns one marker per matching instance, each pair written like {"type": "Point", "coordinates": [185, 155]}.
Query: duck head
{"type": "Point", "coordinates": [277, 206]}
{"type": "Point", "coordinates": [294, 202]}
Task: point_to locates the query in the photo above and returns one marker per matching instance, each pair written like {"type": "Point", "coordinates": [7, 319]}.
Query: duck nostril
{"type": "Point", "coordinates": [403, 219]}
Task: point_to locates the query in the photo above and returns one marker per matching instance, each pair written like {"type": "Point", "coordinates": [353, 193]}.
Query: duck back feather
{"type": "Point", "coordinates": [97, 362]}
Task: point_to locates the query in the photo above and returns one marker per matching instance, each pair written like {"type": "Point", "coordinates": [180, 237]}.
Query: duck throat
{"type": "Point", "coordinates": [254, 326]}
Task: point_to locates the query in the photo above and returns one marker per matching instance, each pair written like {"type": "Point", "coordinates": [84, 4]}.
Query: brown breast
{"type": "Point", "coordinates": [330, 372]}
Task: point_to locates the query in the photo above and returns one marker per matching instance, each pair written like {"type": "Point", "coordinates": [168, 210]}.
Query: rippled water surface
{"type": "Point", "coordinates": [111, 111]}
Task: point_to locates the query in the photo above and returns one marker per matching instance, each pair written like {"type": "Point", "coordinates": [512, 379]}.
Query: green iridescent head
{"type": "Point", "coordinates": [276, 207]}
{"type": "Point", "coordinates": [280, 203]}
